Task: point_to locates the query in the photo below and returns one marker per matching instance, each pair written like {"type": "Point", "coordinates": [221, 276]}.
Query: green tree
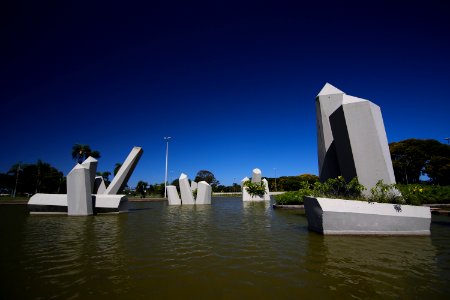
{"type": "Point", "coordinates": [81, 152]}
{"type": "Point", "coordinates": [205, 175]}
{"type": "Point", "coordinates": [412, 158]}
{"type": "Point", "coordinates": [141, 188]}
{"type": "Point", "coordinates": [36, 178]}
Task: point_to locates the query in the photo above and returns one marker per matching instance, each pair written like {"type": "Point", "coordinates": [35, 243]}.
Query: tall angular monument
{"type": "Point", "coordinates": [351, 139]}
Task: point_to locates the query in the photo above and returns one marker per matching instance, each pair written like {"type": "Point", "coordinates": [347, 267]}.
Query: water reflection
{"type": "Point", "coordinates": [366, 266]}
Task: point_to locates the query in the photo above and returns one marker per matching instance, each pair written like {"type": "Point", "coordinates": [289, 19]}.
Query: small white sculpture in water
{"type": "Point", "coordinates": [255, 190]}
{"type": "Point", "coordinates": [203, 190]}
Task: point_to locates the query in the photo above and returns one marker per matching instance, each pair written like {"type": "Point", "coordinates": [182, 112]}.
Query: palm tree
{"type": "Point", "coordinates": [81, 152]}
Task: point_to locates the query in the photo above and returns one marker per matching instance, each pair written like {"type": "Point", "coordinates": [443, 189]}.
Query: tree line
{"type": "Point", "coordinates": [411, 159]}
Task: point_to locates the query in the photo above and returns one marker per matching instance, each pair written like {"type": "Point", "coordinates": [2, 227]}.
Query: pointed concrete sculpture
{"type": "Point", "coordinates": [194, 185]}
{"type": "Point", "coordinates": [79, 197]}
{"type": "Point", "coordinates": [81, 188]}
{"type": "Point", "coordinates": [124, 173]}
{"type": "Point", "coordinates": [256, 178]}
{"type": "Point", "coordinates": [256, 175]}
{"type": "Point", "coordinates": [351, 139]}
{"type": "Point", "coordinates": [186, 194]}
{"type": "Point", "coordinates": [91, 164]}
{"type": "Point", "coordinates": [172, 195]}
{"type": "Point", "coordinates": [203, 193]}
{"type": "Point", "coordinates": [99, 185]}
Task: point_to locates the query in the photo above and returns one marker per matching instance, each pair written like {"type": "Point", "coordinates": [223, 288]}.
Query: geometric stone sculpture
{"type": "Point", "coordinates": [256, 179]}
{"type": "Point", "coordinates": [91, 164]}
{"type": "Point", "coordinates": [194, 185]}
{"type": "Point", "coordinates": [172, 195]}
{"type": "Point", "coordinates": [350, 217]}
{"type": "Point", "coordinates": [202, 188]}
{"type": "Point", "coordinates": [351, 139]}
{"type": "Point", "coordinates": [203, 193]}
{"type": "Point", "coordinates": [125, 171]}
{"type": "Point", "coordinates": [99, 185]}
{"type": "Point", "coordinates": [81, 188]}
{"type": "Point", "coordinates": [186, 193]}
{"type": "Point", "coordinates": [79, 196]}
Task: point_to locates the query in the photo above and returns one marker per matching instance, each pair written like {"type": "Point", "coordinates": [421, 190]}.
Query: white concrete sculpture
{"type": "Point", "coordinates": [79, 196]}
{"type": "Point", "coordinates": [256, 179]}
{"type": "Point", "coordinates": [91, 164]}
{"type": "Point", "coordinates": [81, 188]}
{"type": "Point", "coordinates": [186, 194]}
{"type": "Point", "coordinates": [203, 193]}
{"type": "Point", "coordinates": [348, 217]}
{"type": "Point", "coordinates": [256, 175]}
{"type": "Point", "coordinates": [351, 139]}
{"type": "Point", "coordinates": [194, 185]}
{"type": "Point", "coordinates": [99, 185]}
{"type": "Point", "coordinates": [125, 171]}
{"type": "Point", "coordinates": [172, 195]}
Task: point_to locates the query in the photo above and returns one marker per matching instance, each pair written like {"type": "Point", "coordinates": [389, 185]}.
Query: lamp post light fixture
{"type": "Point", "coordinates": [166, 138]}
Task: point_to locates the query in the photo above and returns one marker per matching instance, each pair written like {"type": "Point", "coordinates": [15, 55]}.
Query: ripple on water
{"type": "Point", "coordinates": [225, 250]}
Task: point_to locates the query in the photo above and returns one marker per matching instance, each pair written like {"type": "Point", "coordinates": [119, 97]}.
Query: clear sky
{"type": "Point", "coordinates": [233, 83]}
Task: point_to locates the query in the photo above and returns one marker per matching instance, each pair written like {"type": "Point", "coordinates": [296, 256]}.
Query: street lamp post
{"type": "Point", "coordinates": [166, 138]}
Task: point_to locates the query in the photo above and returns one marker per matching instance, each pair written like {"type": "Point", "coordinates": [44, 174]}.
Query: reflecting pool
{"type": "Point", "coordinates": [227, 250]}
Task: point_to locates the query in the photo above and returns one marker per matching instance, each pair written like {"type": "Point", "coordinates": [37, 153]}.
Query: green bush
{"type": "Point", "coordinates": [254, 188]}
{"type": "Point", "coordinates": [332, 188]}
{"type": "Point", "coordinates": [412, 194]}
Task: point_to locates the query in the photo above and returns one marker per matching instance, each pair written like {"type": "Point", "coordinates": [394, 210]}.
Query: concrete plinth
{"type": "Point", "coordinates": [348, 217]}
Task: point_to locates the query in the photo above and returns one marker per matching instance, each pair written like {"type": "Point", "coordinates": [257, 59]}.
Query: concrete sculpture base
{"type": "Point", "coordinates": [57, 204]}
{"type": "Point", "coordinates": [348, 217]}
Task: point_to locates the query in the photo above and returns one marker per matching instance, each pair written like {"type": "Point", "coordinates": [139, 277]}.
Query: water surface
{"type": "Point", "coordinates": [227, 250]}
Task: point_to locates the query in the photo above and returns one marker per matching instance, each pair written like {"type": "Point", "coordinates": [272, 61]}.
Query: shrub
{"type": "Point", "coordinates": [255, 188]}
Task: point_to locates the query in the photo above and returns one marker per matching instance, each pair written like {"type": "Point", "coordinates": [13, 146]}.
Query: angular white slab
{"type": "Point", "coordinates": [194, 185]}
{"type": "Point", "coordinates": [79, 199]}
{"type": "Point", "coordinates": [256, 175]}
{"type": "Point", "coordinates": [203, 193]}
{"type": "Point", "coordinates": [327, 101]}
{"type": "Point", "coordinates": [57, 204]}
{"type": "Point", "coordinates": [351, 139]}
{"type": "Point", "coordinates": [124, 173]}
{"type": "Point", "coordinates": [186, 194]}
{"type": "Point", "coordinates": [99, 185]}
{"type": "Point", "coordinates": [361, 144]}
{"type": "Point", "coordinates": [48, 204]}
{"type": "Point", "coordinates": [91, 164]}
{"type": "Point", "coordinates": [172, 195]}
{"type": "Point", "coordinates": [347, 217]}
{"type": "Point", "coordinates": [267, 194]}
{"type": "Point", "coordinates": [107, 204]}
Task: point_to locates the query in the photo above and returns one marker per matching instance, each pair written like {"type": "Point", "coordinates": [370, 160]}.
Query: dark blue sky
{"type": "Point", "coordinates": [233, 83]}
